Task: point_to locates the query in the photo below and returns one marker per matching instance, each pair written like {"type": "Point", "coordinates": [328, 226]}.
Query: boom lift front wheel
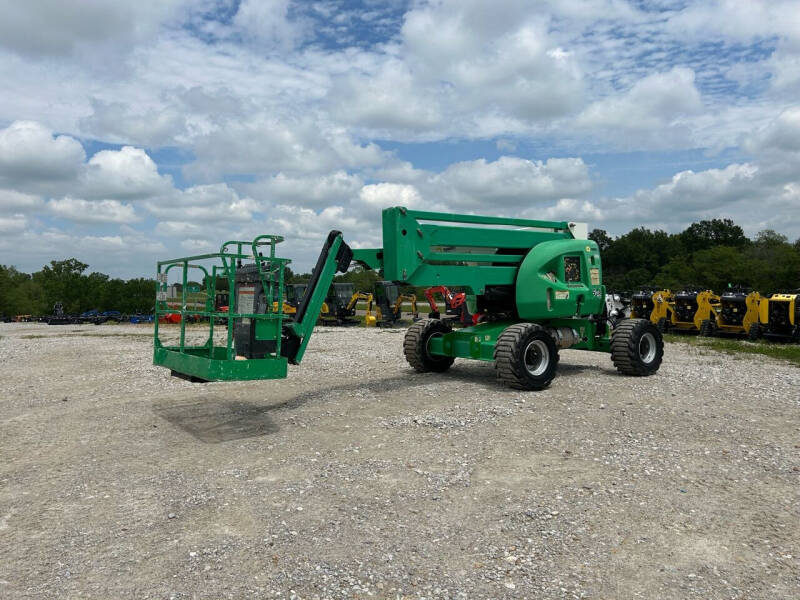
{"type": "Point", "coordinates": [525, 357]}
{"type": "Point", "coordinates": [637, 347]}
{"type": "Point", "coordinates": [415, 346]}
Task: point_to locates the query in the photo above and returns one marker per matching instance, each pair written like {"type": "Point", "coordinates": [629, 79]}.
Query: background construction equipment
{"type": "Point", "coordinates": [389, 304]}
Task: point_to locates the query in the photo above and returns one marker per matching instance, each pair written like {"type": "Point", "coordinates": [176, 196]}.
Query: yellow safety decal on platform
{"type": "Point", "coordinates": [562, 295]}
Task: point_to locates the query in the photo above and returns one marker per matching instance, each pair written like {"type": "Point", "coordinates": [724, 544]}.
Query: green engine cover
{"type": "Point", "coordinates": [560, 278]}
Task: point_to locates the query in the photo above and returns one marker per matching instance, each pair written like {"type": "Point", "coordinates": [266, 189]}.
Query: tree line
{"type": "Point", "coordinates": [65, 281]}
{"type": "Point", "coordinates": [708, 254]}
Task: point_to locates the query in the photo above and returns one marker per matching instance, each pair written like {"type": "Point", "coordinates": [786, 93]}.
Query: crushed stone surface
{"type": "Point", "coordinates": [357, 477]}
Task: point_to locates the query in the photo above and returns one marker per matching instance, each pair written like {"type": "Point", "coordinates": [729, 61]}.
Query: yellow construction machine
{"type": "Point", "coordinates": [663, 312]}
{"type": "Point", "coordinates": [389, 304]}
{"type": "Point", "coordinates": [642, 304]}
{"type": "Point", "coordinates": [737, 314]}
{"type": "Point", "coordinates": [292, 296]}
{"type": "Point", "coordinates": [779, 317]}
{"type": "Point", "coordinates": [339, 307]}
{"type": "Point", "coordinates": [694, 311]}
{"type": "Point", "coordinates": [369, 319]}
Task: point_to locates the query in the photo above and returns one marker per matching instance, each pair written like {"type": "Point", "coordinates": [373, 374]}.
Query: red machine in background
{"type": "Point", "coordinates": [455, 304]}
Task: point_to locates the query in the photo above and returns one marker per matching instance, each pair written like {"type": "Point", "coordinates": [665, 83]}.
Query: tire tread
{"type": "Point", "coordinates": [415, 345]}
{"type": "Point", "coordinates": [508, 360]}
{"type": "Point", "coordinates": [624, 347]}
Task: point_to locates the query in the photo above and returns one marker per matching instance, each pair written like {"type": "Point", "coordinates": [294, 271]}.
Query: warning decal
{"type": "Point", "coordinates": [245, 301]}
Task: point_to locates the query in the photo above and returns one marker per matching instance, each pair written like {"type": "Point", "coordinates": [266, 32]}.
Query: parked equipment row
{"type": "Point", "coordinates": [382, 308]}
{"type": "Point", "coordinates": [735, 312]}
{"type": "Point", "coordinates": [96, 317]}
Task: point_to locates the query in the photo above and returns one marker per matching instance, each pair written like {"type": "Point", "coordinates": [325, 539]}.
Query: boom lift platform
{"type": "Point", "coordinates": [261, 338]}
{"type": "Point", "coordinates": [539, 285]}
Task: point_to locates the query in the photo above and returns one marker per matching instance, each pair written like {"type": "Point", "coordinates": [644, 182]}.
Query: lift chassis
{"type": "Point", "coordinates": [537, 287]}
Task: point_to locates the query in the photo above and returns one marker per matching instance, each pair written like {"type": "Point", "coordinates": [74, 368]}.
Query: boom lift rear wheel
{"type": "Point", "coordinates": [637, 347]}
{"type": "Point", "coordinates": [526, 357]}
{"type": "Point", "coordinates": [415, 346]}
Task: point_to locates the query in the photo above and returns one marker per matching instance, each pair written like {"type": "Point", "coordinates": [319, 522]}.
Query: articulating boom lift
{"type": "Point", "coordinates": [539, 287]}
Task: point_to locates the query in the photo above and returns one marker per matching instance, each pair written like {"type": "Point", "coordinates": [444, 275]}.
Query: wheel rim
{"type": "Point", "coordinates": [647, 348]}
{"type": "Point", "coordinates": [536, 357]}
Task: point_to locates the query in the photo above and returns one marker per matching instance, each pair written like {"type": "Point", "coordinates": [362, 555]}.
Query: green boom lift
{"type": "Point", "coordinates": [537, 284]}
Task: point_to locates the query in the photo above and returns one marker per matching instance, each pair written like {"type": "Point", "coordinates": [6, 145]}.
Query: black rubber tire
{"type": "Point", "coordinates": [755, 332]}
{"type": "Point", "coordinates": [415, 346]}
{"type": "Point", "coordinates": [706, 328]}
{"type": "Point", "coordinates": [512, 349]}
{"type": "Point", "coordinates": [662, 325]}
{"type": "Point", "coordinates": [629, 355]}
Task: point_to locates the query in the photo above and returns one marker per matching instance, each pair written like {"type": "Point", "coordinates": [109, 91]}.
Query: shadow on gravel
{"type": "Point", "coordinates": [378, 386]}
{"type": "Point", "coordinates": [572, 368]}
{"type": "Point", "coordinates": [212, 420]}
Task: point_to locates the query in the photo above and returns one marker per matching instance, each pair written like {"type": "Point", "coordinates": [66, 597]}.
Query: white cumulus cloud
{"type": "Point", "coordinates": [78, 210]}
{"type": "Point", "coordinates": [30, 153]}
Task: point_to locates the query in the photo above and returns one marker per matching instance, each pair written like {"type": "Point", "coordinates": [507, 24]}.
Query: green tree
{"type": "Point", "coordinates": [638, 250]}
{"type": "Point", "coordinates": [17, 294]}
{"type": "Point", "coordinates": [139, 296]}
{"type": "Point", "coordinates": [94, 292]}
{"type": "Point", "coordinates": [363, 280]}
{"type": "Point", "coordinates": [770, 237]}
{"type": "Point", "coordinates": [633, 279]}
{"type": "Point", "coordinates": [775, 262]}
{"type": "Point", "coordinates": [61, 282]}
{"type": "Point", "coordinates": [601, 237]}
{"type": "Point", "coordinates": [677, 273]}
{"type": "Point", "coordinates": [27, 298]}
{"type": "Point", "coordinates": [716, 267]}
{"type": "Point", "coordinates": [716, 232]}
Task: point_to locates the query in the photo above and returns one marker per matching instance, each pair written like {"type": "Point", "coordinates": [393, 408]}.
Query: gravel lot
{"type": "Point", "coordinates": [358, 478]}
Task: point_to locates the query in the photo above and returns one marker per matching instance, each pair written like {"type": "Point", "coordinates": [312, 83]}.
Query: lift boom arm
{"type": "Point", "coordinates": [335, 256]}
{"type": "Point", "coordinates": [521, 271]}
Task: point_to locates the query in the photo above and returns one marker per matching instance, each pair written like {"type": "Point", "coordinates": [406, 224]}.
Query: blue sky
{"type": "Point", "coordinates": [132, 132]}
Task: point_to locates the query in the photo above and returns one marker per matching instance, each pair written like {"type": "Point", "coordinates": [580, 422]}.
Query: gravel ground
{"type": "Point", "coordinates": [357, 478]}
